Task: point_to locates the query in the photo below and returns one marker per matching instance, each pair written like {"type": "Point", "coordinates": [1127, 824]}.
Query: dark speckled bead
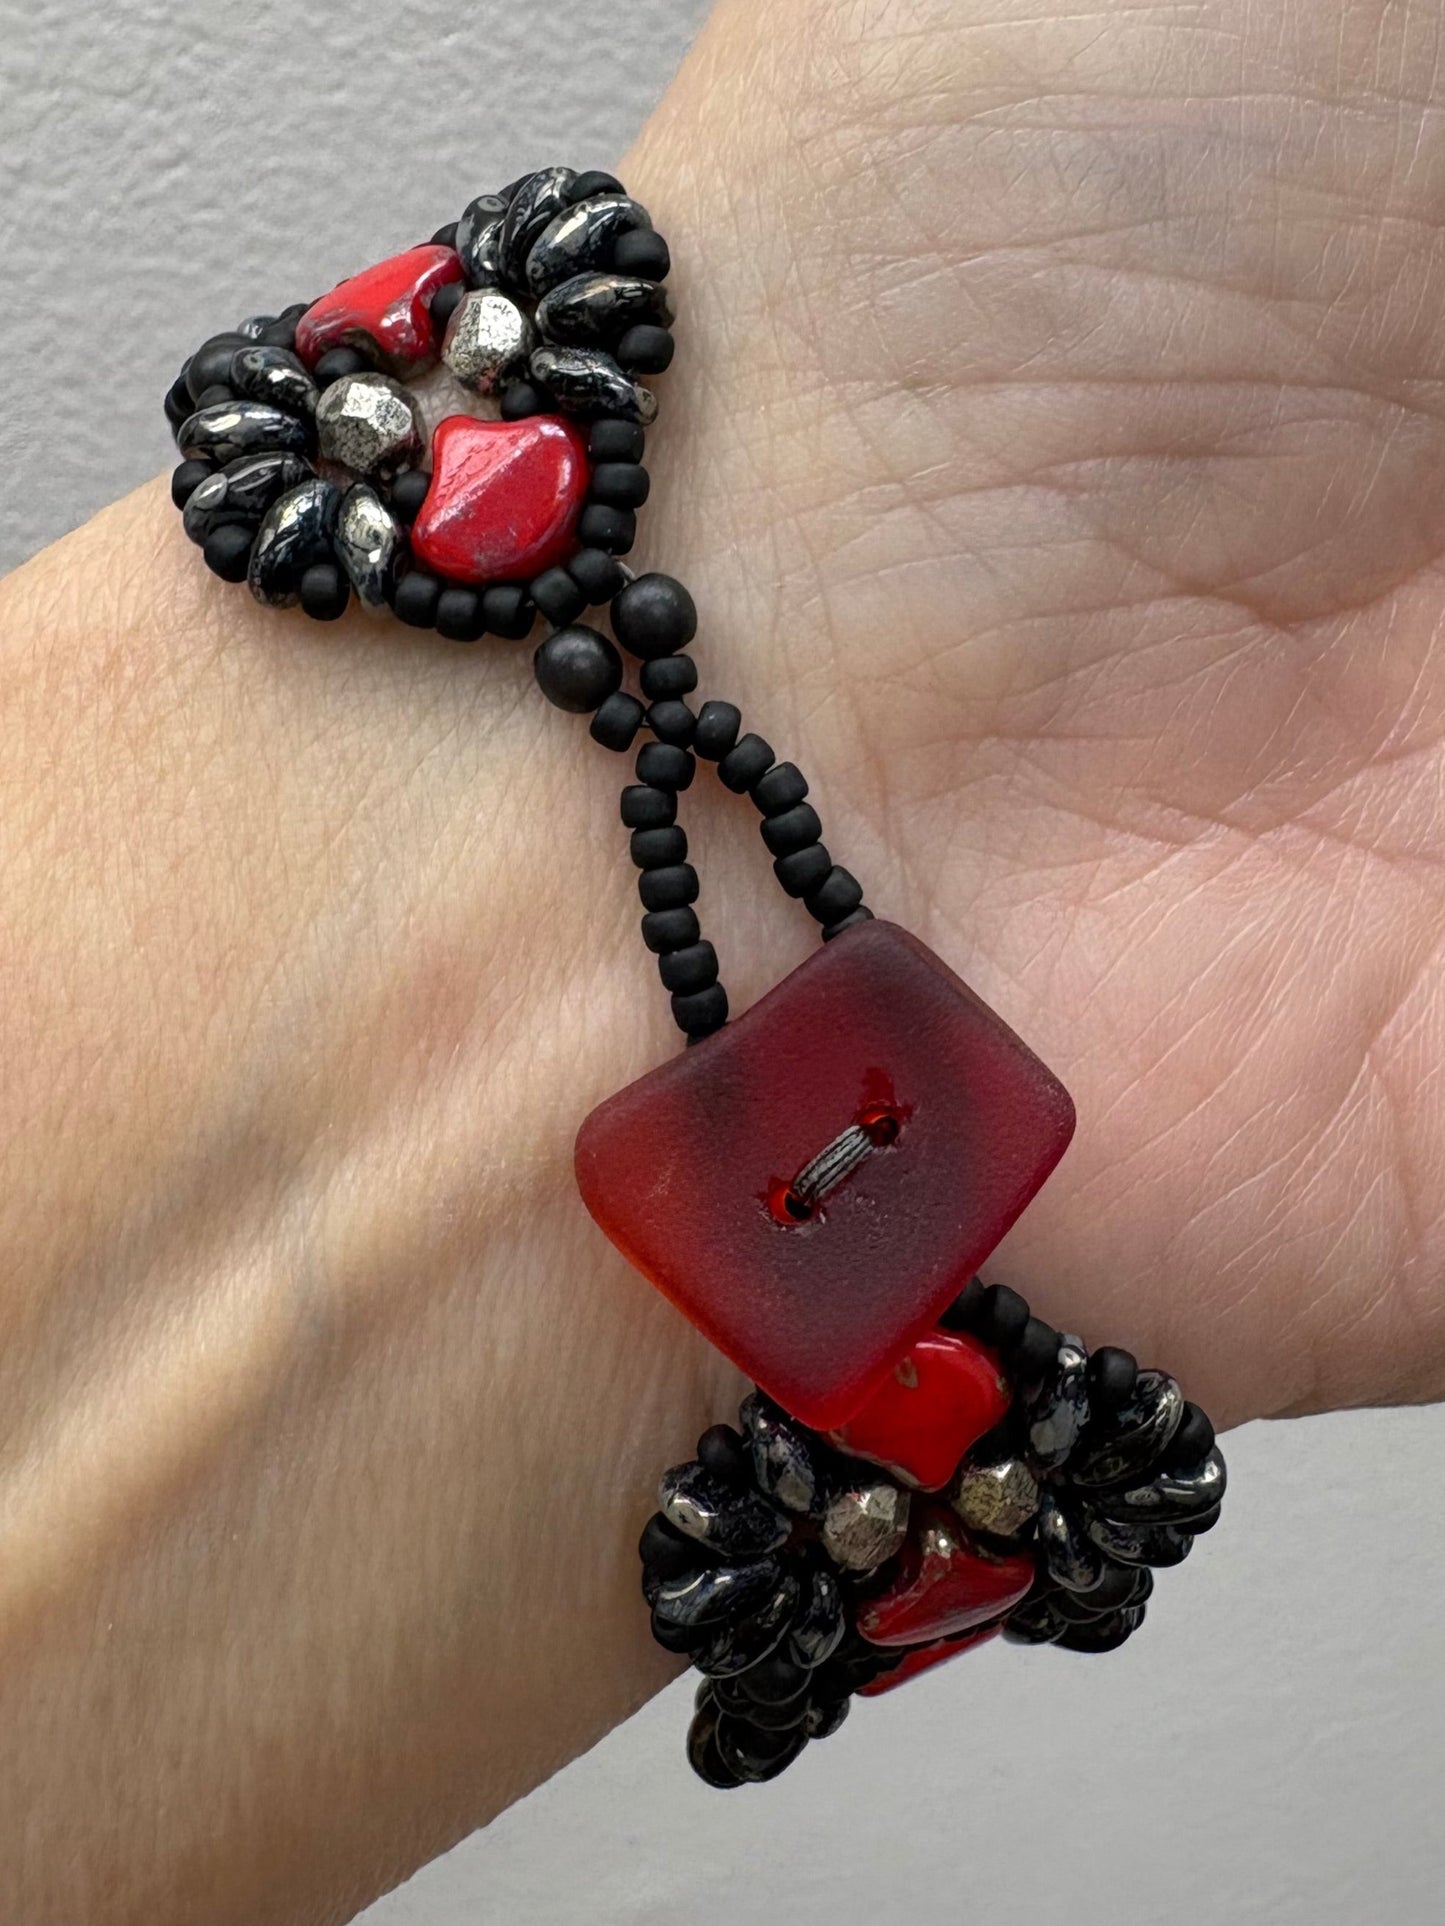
{"type": "Point", "coordinates": [702, 1748]}
{"type": "Point", "coordinates": [819, 1626]}
{"type": "Point", "coordinates": [478, 240]}
{"type": "Point", "coordinates": [754, 1754]}
{"type": "Point", "coordinates": [718, 1594]}
{"type": "Point", "coordinates": [539, 201]}
{"type": "Point", "coordinates": [1173, 1497]}
{"type": "Point", "coordinates": [582, 240]}
{"type": "Point", "coordinates": [1058, 1414]}
{"type": "Point", "coordinates": [783, 1461]}
{"type": "Point", "coordinates": [231, 429]}
{"type": "Point", "coordinates": [586, 382]}
{"type": "Point", "coordinates": [736, 1647]}
{"type": "Point", "coordinates": [1140, 1544]}
{"type": "Point", "coordinates": [276, 376]}
{"type": "Point", "coordinates": [1132, 1438]}
{"type": "Point", "coordinates": [296, 532]}
{"type": "Point", "coordinates": [241, 492]}
{"type": "Point", "coordinates": [738, 1524]}
{"type": "Point", "coordinates": [596, 310]}
{"type": "Point", "coordinates": [1068, 1554]}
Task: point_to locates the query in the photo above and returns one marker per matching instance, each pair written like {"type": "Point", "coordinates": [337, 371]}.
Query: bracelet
{"type": "Point", "coordinates": [456, 436]}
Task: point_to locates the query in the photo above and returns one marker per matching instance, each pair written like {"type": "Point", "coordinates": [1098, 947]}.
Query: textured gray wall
{"type": "Point", "coordinates": [1271, 1749]}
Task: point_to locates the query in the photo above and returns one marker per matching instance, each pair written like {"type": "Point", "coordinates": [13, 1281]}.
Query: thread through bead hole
{"type": "Point", "coordinates": [801, 1201]}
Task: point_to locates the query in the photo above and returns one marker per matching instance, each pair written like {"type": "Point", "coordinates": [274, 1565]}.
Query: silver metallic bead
{"type": "Point", "coordinates": [782, 1457]}
{"type": "Point", "coordinates": [369, 423]}
{"type": "Point", "coordinates": [488, 342]}
{"type": "Point", "coordinates": [297, 531]}
{"type": "Point", "coordinates": [736, 1524]}
{"type": "Point", "coordinates": [865, 1524]}
{"type": "Point", "coordinates": [999, 1498]}
{"type": "Point", "coordinates": [717, 1592]}
{"type": "Point", "coordinates": [275, 375]}
{"type": "Point", "coordinates": [1135, 1436]}
{"type": "Point", "coordinates": [370, 545]}
{"type": "Point", "coordinates": [1068, 1554]}
{"type": "Point", "coordinates": [1060, 1411]}
{"type": "Point", "coordinates": [587, 382]}
{"type": "Point", "coordinates": [597, 309]}
{"type": "Point", "coordinates": [582, 239]}
{"type": "Point", "coordinates": [1174, 1497]}
{"type": "Point", "coordinates": [229, 429]}
{"type": "Point", "coordinates": [241, 492]}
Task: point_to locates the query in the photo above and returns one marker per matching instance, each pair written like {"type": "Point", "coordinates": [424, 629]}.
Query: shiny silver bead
{"type": "Point", "coordinates": [865, 1524]}
{"type": "Point", "coordinates": [587, 382]}
{"type": "Point", "coordinates": [488, 342]}
{"type": "Point", "coordinates": [1000, 1499]}
{"type": "Point", "coordinates": [370, 545]}
{"type": "Point", "coordinates": [370, 424]}
{"type": "Point", "coordinates": [1058, 1414]}
{"type": "Point", "coordinates": [297, 531]}
{"type": "Point", "coordinates": [736, 1524]}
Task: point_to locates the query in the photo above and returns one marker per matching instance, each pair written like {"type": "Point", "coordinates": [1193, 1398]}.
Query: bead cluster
{"type": "Point", "coordinates": [1002, 1480]}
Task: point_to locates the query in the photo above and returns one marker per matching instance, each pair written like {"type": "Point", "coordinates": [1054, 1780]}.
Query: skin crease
{"type": "Point", "coordinates": [1054, 450]}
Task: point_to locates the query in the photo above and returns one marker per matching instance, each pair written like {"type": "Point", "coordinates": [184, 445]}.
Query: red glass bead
{"type": "Point", "coordinates": [693, 1171]}
{"type": "Point", "coordinates": [924, 1658]}
{"type": "Point", "coordinates": [504, 498]}
{"type": "Point", "coordinates": [944, 1585]}
{"type": "Point", "coordinates": [936, 1402]}
{"type": "Point", "coordinates": [384, 312]}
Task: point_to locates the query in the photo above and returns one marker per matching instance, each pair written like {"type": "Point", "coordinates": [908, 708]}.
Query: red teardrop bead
{"type": "Point", "coordinates": [944, 1585]}
{"type": "Point", "coordinates": [931, 1407]}
{"type": "Point", "coordinates": [924, 1658]}
{"type": "Point", "coordinates": [384, 312]}
{"type": "Point", "coordinates": [504, 500]}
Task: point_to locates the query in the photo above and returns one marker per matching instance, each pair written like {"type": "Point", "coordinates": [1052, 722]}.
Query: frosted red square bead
{"type": "Point", "coordinates": [690, 1170]}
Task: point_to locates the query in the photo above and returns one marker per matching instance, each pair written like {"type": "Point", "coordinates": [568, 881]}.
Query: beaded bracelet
{"type": "Point", "coordinates": [456, 436]}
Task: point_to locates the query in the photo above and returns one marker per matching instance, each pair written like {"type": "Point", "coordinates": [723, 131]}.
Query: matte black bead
{"type": "Point", "coordinates": [227, 552]}
{"type": "Point", "coordinates": [417, 596]}
{"type": "Point", "coordinates": [782, 787]}
{"type": "Point", "coordinates": [616, 724]}
{"type": "Point", "coordinates": [804, 870]}
{"type": "Point", "coordinates": [558, 596]}
{"type": "Point", "coordinates": [658, 848]}
{"type": "Point", "coordinates": [966, 1313]}
{"type": "Point", "coordinates": [1193, 1441]}
{"type": "Point", "coordinates": [685, 972]}
{"type": "Point", "coordinates": [187, 478]}
{"type": "Point", "coordinates": [674, 929]}
{"type": "Point", "coordinates": [594, 181]}
{"type": "Point", "coordinates": [722, 1450]}
{"type": "Point", "coordinates": [336, 363]}
{"type": "Point", "coordinates": [620, 484]}
{"type": "Point", "coordinates": [644, 807]}
{"type": "Point", "coordinates": [280, 333]}
{"type": "Point", "coordinates": [210, 365]}
{"type": "Point", "coordinates": [218, 393]}
{"type": "Point", "coordinates": [577, 669]}
{"type": "Point", "coordinates": [445, 303]}
{"type": "Point", "coordinates": [509, 610]}
{"type": "Point", "coordinates": [794, 829]}
{"type": "Point", "coordinates": [668, 676]}
{"type": "Point", "coordinates": [644, 252]}
{"type": "Point", "coordinates": [408, 492]}
{"type": "Point", "coordinates": [1035, 1352]}
{"type": "Point", "coordinates": [837, 896]}
{"type": "Point", "coordinates": [665, 1551]}
{"type": "Point", "coordinates": [671, 888]}
{"type": "Point", "coordinates": [520, 400]}
{"type": "Point", "coordinates": [1003, 1315]}
{"type": "Point", "coordinates": [325, 592]}
{"type": "Point", "coordinates": [672, 721]}
{"type": "Point", "coordinates": [703, 1012]}
{"type": "Point", "coordinates": [179, 405]}
{"type": "Point", "coordinates": [1112, 1376]}
{"type": "Point", "coordinates": [459, 615]}
{"type": "Point", "coordinates": [665, 765]}
{"type": "Point", "coordinates": [646, 349]}
{"type": "Point", "coordinates": [612, 439]}
{"type": "Point", "coordinates": [653, 616]}
{"type": "Point", "coordinates": [598, 575]}
{"type": "Point", "coordinates": [612, 529]}
{"type": "Point", "coordinates": [742, 766]}
{"type": "Point", "coordinates": [846, 923]}
{"type": "Point", "coordinates": [445, 237]}
{"type": "Point", "coordinates": [718, 724]}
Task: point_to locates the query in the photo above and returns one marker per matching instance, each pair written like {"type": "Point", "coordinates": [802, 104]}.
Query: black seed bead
{"type": "Point", "coordinates": [520, 399]}
{"type": "Point", "coordinates": [616, 724]}
{"type": "Point", "coordinates": [804, 870]}
{"type": "Point", "coordinates": [794, 829]}
{"type": "Point", "coordinates": [186, 479]}
{"type": "Point", "coordinates": [577, 669]}
{"type": "Point", "coordinates": [672, 722]}
{"type": "Point", "coordinates": [417, 596]}
{"type": "Point", "coordinates": [210, 365]}
{"type": "Point", "coordinates": [846, 923]}
{"type": "Point", "coordinates": [280, 333]}
{"type": "Point", "coordinates": [612, 439]}
{"type": "Point", "coordinates": [702, 1013]}
{"type": "Point", "coordinates": [667, 676]}
{"type": "Point", "coordinates": [445, 237]}
{"type": "Point", "coordinates": [593, 182]}
{"type": "Point", "coordinates": [620, 484]}
{"type": "Point", "coordinates": [445, 303]}
{"type": "Point", "coordinates": [1112, 1374]}
{"type": "Point", "coordinates": [646, 349]}
{"type": "Point", "coordinates": [658, 848]}
{"type": "Point", "coordinates": [654, 616]}
{"type": "Point", "coordinates": [598, 575]}
{"type": "Point", "coordinates": [324, 592]}
{"type": "Point", "coordinates": [667, 930]}
{"type": "Point", "coordinates": [665, 1551]}
{"type": "Point", "coordinates": [685, 972]}
{"type": "Point", "coordinates": [966, 1313]}
{"type": "Point", "coordinates": [665, 766]}
{"type": "Point", "coordinates": [644, 807]}
{"type": "Point", "coordinates": [1003, 1316]}
{"type": "Point", "coordinates": [1193, 1440]}
{"type": "Point", "coordinates": [215, 396]}
{"type": "Point", "coordinates": [678, 1638]}
{"type": "Point", "coordinates": [227, 551]}
{"type": "Point", "coordinates": [718, 724]}
{"type": "Point", "coordinates": [837, 896]}
{"type": "Point", "coordinates": [722, 1450]}
{"type": "Point", "coordinates": [408, 492]}
{"type": "Point", "coordinates": [745, 763]}
{"type": "Point", "coordinates": [671, 888]}
{"type": "Point", "coordinates": [337, 362]}
{"type": "Point", "coordinates": [612, 529]}
{"type": "Point", "coordinates": [179, 405]}
{"type": "Point", "coordinates": [642, 252]}
{"type": "Point", "coordinates": [783, 787]}
{"type": "Point", "coordinates": [1034, 1352]}
{"type": "Point", "coordinates": [558, 597]}
{"type": "Point", "coordinates": [509, 610]}
{"type": "Point", "coordinates": [459, 615]}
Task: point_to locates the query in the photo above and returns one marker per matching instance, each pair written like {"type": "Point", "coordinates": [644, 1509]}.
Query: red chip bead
{"type": "Point", "coordinates": [504, 498]}
{"type": "Point", "coordinates": [925, 1658]}
{"type": "Point", "coordinates": [934, 1404]}
{"type": "Point", "coordinates": [693, 1171]}
{"type": "Point", "coordinates": [383, 312]}
{"type": "Point", "coordinates": [944, 1585]}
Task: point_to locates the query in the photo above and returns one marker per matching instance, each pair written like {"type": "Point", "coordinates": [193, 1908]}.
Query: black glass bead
{"type": "Point", "coordinates": [227, 552]}
{"type": "Point", "coordinates": [666, 1552]}
{"type": "Point", "coordinates": [665, 765]}
{"type": "Point", "coordinates": [1193, 1440]}
{"type": "Point", "coordinates": [646, 349]}
{"type": "Point", "coordinates": [668, 676]}
{"type": "Point", "coordinates": [642, 252]}
{"type": "Point", "coordinates": [749, 759]}
{"type": "Point", "coordinates": [672, 721]}
{"type": "Point", "coordinates": [1035, 1352]}
{"type": "Point", "coordinates": [337, 362]}
{"type": "Point", "coordinates": [558, 596]}
{"type": "Point", "coordinates": [444, 237]}
{"type": "Point", "coordinates": [644, 807]}
{"type": "Point", "coordinates": [520, 400]}
{"type": "Point", "coordinates": [1113, 1374]}
{"type": "Point", "coordinates": [671, 888]}
{"type": "Point", "coordinates": [846, 923]}
{"type": "Point", "coordinates": [509, 610]}
{"type": "Point", "coordinates": [408, 492]}
{"type": "Point", "coordinates": [611, 529]}
{"type": "Point", "coordinates": [837, 896]}
{"type": "Point", "coordinates": [280, 333]}
{"type": "Point", "coordinates": [594, 181]}
{"type": "Point", "coordinates": [210, 365]}
{"type": "Point", "coordinates": [658, 848]}
{"type": "Point", "coordinates": [701, 1013]}
{"type": "Point", "coordinates": [445, 302]}
{"type": "Point", "coordinates": [718, 724]}
{"type": "Point", "coordinates": [325, 593]}
{"type": "Point", "coordinates": [215, 396]}
{"type": "Point", "coordinates": [804, 870]}
{"type": "Point", "coordinates": [775, 1681]}
{"type": "Point", "coordinates": [782, 787]}
{"type": "Point", "coordinates": [654, 615]}
{"type": "Point", "coordinates": [616, 724]}
{"type": "Point", "coordinates": [417, 596]}
{"type": "Point", "coordinates": [459, 615]}
{"type": "Point", "coordinates": [613, 439]}
{"type": "Point", "coordinates": [1002, 1316]}
{"type": "Point", "coordinates": [666, 930]}
{"type": "Point", "coordinates": [598, 575]}
{"type": "Point", "coordinates": [678, 1638]}
{"type": "Point", "coordinates": [620, 484]}
{"type": "Point", "coordinates": [187, 478]}
{"type": "Point", "coordinates": [685, 972]}
{"type": "Point", "coordinates": [577, 669]}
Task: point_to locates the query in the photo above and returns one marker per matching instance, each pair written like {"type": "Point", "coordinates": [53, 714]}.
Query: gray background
{"type": "Point", "coordinates": [1271, 1749]}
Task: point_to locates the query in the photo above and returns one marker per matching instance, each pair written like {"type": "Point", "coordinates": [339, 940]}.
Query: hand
{"type": "Point", "coordinates": [1052, 450]}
